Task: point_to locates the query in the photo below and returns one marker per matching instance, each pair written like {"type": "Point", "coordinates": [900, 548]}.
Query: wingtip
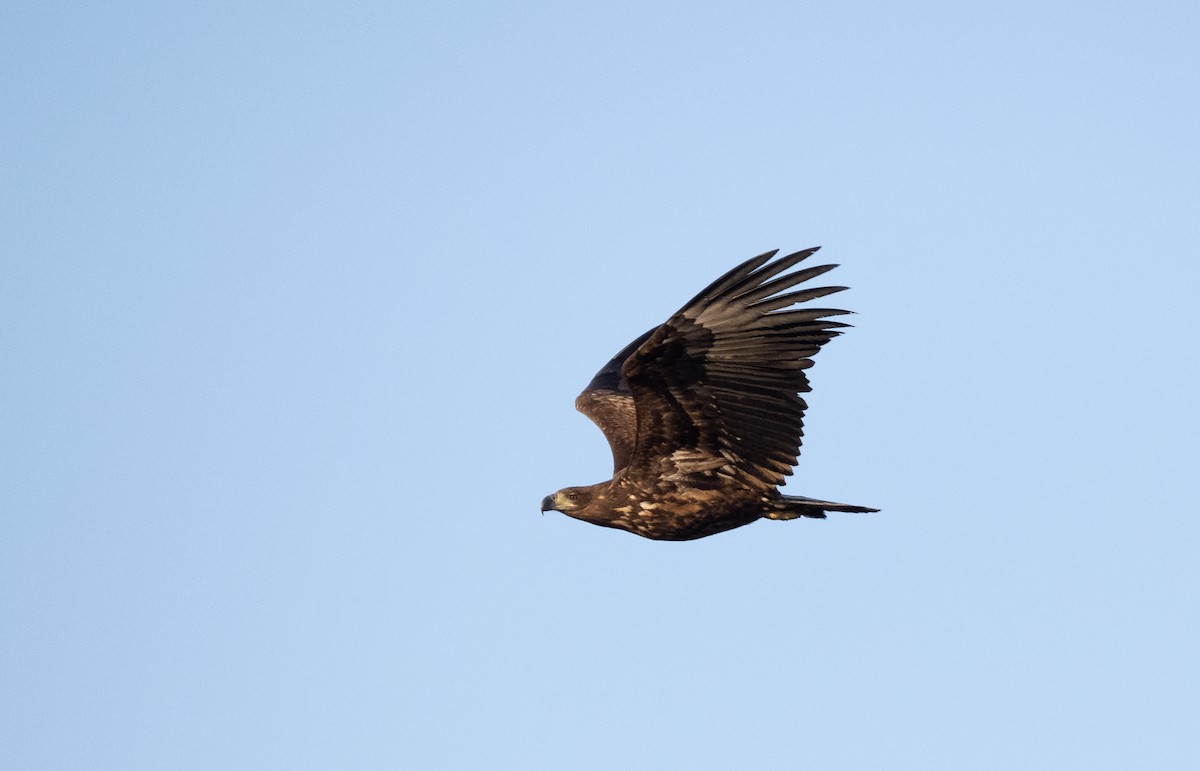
{"type": "Point", "coordinates": [802, 254]}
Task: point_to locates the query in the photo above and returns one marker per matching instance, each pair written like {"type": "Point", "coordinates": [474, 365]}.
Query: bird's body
{"type": "Point", "coordinates": [668, 509]}
{"type": "Point", "coordinates": [703, 414]}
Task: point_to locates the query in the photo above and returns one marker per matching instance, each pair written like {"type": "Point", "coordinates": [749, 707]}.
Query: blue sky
{"type": "Point", "coordinates": [295, 300]}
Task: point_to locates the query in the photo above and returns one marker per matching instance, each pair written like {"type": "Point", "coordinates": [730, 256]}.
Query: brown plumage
{"type": "Point", "coordinates": [703, 414]}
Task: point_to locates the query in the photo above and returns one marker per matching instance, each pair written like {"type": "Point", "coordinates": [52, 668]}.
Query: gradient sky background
{"type": "Point", "coordinates": [295, 300]}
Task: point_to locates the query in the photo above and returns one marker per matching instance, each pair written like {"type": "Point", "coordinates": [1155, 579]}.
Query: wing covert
{"type": "Point", "coordinates": [608, 402]}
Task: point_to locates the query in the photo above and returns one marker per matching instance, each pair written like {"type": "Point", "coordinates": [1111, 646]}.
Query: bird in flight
{"type": "Point", "coordinates": [703, 413]}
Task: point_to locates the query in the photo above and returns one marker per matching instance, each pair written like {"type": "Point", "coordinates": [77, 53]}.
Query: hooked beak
{"type": "Point", "coordinates": [548, 504]}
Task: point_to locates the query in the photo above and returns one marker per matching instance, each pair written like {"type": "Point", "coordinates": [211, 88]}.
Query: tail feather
{"type": "Point", "coordinates": [796, 506]}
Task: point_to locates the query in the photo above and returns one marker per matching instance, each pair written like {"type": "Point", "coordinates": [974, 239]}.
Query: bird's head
{"type": "Point", "coordinates": [567, 500]}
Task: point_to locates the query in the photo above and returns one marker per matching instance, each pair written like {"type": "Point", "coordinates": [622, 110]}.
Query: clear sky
{"type": "Point", "coordinates": [295, 300]}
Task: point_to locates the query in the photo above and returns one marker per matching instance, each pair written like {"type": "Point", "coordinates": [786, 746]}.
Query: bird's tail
{"type": "Point", "coordinates": [795, 506]}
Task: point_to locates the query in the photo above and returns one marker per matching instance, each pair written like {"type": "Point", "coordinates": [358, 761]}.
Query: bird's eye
{"type": "Point", "coordinates": [572, 496]}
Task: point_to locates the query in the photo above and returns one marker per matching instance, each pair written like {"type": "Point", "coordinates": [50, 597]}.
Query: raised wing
{"type": "Point", "coordinates": [716, 386]}
{"type": "Point", "coordinates": [608, 401]}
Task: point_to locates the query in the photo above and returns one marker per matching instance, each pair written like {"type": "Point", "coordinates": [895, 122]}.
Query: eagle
{"type": "Point", "coordinates": [703, 413]}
